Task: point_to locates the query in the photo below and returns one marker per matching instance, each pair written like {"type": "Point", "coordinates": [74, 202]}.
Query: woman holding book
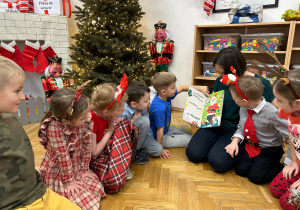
{"type": "Point", "coordinates": [208, 144]}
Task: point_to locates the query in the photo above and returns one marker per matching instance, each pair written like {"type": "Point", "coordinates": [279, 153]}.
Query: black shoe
{"type": "Point", "coordinates": [140, 158]}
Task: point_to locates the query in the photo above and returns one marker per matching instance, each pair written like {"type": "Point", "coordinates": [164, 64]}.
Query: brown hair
{"type": "Point", "coordinates": [103, 95]}
{"type": "Point", "coordinates": [135, 91]}
{"type": "Point", "coordinates": [250, 86]}
{"type": "Point", "coordinates": [284, 90]}
{"type": "Point", "coordinates": [162, 80]}
{"type": "Point", "coordinates": [8, 70]}
{"type": "Point", "coordinates": [60, 102]}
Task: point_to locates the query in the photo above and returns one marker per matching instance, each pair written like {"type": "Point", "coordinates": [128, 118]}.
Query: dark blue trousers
{"type": "Point", "coordinates": [263, 168]}
{"type": "Point", "coordinates": [208, 144]}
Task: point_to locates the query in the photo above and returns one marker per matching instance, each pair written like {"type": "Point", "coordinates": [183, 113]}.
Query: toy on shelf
{"type": "Point", "coordinates": [161, 50]}
{"type": "Point", "coordinates": [273, 41]}
{"type": "Point", "coordinates": [220, 41]}
{"type": "Point", "coordinates": [53, 77]}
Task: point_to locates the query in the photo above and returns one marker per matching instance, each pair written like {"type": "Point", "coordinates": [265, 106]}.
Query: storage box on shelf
{"type": "Point", "coordinates": [209, 70]}
{"type": "Point", "coordinates": [273, 40]}
{"type": "Point", "coordinates": [201, 55]}
{"type": "Point", "coordinates": [220, 41]}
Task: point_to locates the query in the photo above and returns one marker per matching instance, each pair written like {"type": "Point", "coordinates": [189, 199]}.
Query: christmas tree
{"type": "Point", "coordinates": [108, 43]}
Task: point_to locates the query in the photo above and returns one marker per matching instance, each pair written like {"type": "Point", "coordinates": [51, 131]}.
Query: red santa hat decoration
{"type": "Point", "coordinates": [232, 79]}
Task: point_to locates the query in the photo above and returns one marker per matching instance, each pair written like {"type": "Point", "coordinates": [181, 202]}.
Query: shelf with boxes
{"type": "Point", "coordinates": [206, 46]}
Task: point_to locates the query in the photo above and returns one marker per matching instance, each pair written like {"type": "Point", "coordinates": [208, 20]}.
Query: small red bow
{"type": "Point", "coordinates": [294, 130]}
{"type": "Point", "coordinates": [120, 91]}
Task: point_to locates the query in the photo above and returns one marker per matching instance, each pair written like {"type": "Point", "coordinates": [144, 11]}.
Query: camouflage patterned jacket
{"type": "Point", "coordinates": [20, 183]}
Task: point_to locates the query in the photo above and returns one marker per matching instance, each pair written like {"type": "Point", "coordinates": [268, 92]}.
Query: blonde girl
{"type": "Point", "coordinates": [287, 93]}
{"type": "Point", "coordinates": [66, 134]}
{"type": "Point", "coordinates": [114, 145]}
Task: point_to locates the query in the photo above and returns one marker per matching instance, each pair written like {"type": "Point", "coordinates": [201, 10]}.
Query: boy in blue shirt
{"type": "Point", "coordinates": [160, 112]}
{"type": "Point", "coordinates": [136, 111]}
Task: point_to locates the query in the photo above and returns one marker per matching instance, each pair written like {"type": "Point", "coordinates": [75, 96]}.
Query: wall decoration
{"type": "Point", "coordinates": [225, 5]}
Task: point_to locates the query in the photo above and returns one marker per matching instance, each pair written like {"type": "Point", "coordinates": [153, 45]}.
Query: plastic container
{"type": "Point", "coordinates": [209, 70]}
{"type": "Point", "coordinates": [273, 40]}
{"type": "Point", "coordinates": [264, 73]}
{"type": "Point", "coordinates": [220, 41]}
{"type": "Point", "coordinates": [296, 66]}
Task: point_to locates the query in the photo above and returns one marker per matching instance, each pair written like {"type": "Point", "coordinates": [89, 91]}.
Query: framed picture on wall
{"type": "Point", "coordinates": [221, 6]}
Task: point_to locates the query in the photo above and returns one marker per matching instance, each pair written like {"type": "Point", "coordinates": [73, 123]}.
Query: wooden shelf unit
{"type": "Point", "coordinates": [289, 55]}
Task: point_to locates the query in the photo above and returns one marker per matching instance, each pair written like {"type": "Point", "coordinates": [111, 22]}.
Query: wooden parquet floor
{"type": "Point", "coordinates": [177, 184]}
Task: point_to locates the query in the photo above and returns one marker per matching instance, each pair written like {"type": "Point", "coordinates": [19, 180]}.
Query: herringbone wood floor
{"type": "Point", "coordinates": [179, 184]}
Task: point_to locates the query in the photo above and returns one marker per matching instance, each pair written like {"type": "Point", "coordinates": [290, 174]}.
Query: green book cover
{"type": "Point", "coordinates": [205, 111]}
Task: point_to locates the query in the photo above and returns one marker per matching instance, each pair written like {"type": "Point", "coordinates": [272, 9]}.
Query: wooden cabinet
{"type": "Point", "coordinates": [289, 54]}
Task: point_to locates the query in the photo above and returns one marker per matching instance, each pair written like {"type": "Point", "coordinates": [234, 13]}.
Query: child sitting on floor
{"type": "Point", "coordinates": [136, 111]}
{"type": "Point", "coordinates": [160, 112]}
{"type": "Point", "coordinates": [66, 134]}
{"type": "Point", "coordinates": [21, 185]}
{"type": "Point", "coordinates": [258, 140]}
{"type": "Point", "coordinates": [115, 144]}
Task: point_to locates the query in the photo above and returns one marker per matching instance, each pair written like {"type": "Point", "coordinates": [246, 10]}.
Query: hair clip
{"type": "Point", "coordinates": [121, 89]}
{"type": "Point", "coordinates": [232, 79]}
{"type": "Point", "coordinates": [76, 98]}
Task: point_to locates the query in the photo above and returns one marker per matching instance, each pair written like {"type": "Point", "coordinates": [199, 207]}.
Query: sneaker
{"type": "Point", "coordinates": [140, 158]}
{"type": "Point", "coordinates": [129, 175]}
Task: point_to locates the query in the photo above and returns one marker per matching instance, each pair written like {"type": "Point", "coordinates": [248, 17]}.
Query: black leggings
{"type": "Point", "coordinates": [209, 144]}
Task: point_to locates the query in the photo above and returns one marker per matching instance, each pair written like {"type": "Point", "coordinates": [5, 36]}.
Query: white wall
{"type": "Point", "coordinates": [181, 17]}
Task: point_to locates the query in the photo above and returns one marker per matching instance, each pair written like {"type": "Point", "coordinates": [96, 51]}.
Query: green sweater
{"type": "Point", "coordinates": [230, 115]}
{"type": "Point", "coordinates": [20, 183]}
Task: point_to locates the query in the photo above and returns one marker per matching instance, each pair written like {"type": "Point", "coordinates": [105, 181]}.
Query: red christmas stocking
{"type": "Point", "coordinates": [48, 51]}
{"type": "Point", "coordinates": [17, 55]}
{"type": "Point", "coordinates": [208, 6]}
{"type": "Point", "coordinates": [28, 54]}
{"type": "Point", "coordinates": [41, 61]}
{"type": "Point", "coordinates": [6, 50]}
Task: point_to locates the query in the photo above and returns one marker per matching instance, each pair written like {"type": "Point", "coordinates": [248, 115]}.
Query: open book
{"type": "Point", "coordinates": [205, 111]}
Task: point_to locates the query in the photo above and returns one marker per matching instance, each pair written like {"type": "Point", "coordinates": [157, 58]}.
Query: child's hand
{"type": "Point", "coordinates": [194, 124]}
{"type": "Point", "coordinates": [136, 116]}
{"type": "Point", "coordinates": [165, 154]}
{"type": "Point", "coordinates": [203, 89]}
{"type": "Point", "coordinates": [232, 149]}
{"type": "Point", "coordinates": [90, 175]}
{"type": "Point", "coordinates": [296, 185]}
{"type": "Point", "coordinates": [288, 170]}
{"type": "Point", "coordinates": [76, 187]}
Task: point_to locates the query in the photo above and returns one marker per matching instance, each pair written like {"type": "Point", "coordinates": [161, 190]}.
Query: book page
{"type": "Point", "coordinates": [194, 106]}
{"type": "Point", "coordinates": [212, 110]}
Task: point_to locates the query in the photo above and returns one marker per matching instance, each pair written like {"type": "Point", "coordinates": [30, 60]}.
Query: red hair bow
{"type": "Point", "coordinates": [232, 79]}
{"type": "Point", "coordinates": [120, 91]}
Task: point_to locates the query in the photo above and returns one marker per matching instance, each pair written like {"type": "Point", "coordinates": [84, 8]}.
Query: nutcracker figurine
{"type": "Point", "coordinates": [161, 50]}
{"type": "Point", "coordinates": [53, 77]}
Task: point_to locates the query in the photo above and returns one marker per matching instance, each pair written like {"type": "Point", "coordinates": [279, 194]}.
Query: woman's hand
{"type": "Point", "coordinates": [203, 89]}
{"type": "Point", "coordinates": [75, 188]}
{"type": "Point", "coordinates": [194, 124]}
{"type": "Point", "coordinates": [288, 170]}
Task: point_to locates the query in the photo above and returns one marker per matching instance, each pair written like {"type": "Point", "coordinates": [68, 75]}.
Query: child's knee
{"type": "Point", "coordinates": [142, 123]}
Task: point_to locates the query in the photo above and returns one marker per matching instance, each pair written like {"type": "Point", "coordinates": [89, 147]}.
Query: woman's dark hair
{"type": "Point", "coordinates": [231, 56]}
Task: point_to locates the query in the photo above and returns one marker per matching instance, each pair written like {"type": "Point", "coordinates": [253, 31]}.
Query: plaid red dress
{"type": "Point", "coordinates": [67, 159]}
{"type": "Point", "coordinates": [112, 164]}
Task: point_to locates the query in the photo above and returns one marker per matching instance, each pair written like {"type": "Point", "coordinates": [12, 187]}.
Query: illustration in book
{"type": "Point", "coordinates": [205, 111]}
